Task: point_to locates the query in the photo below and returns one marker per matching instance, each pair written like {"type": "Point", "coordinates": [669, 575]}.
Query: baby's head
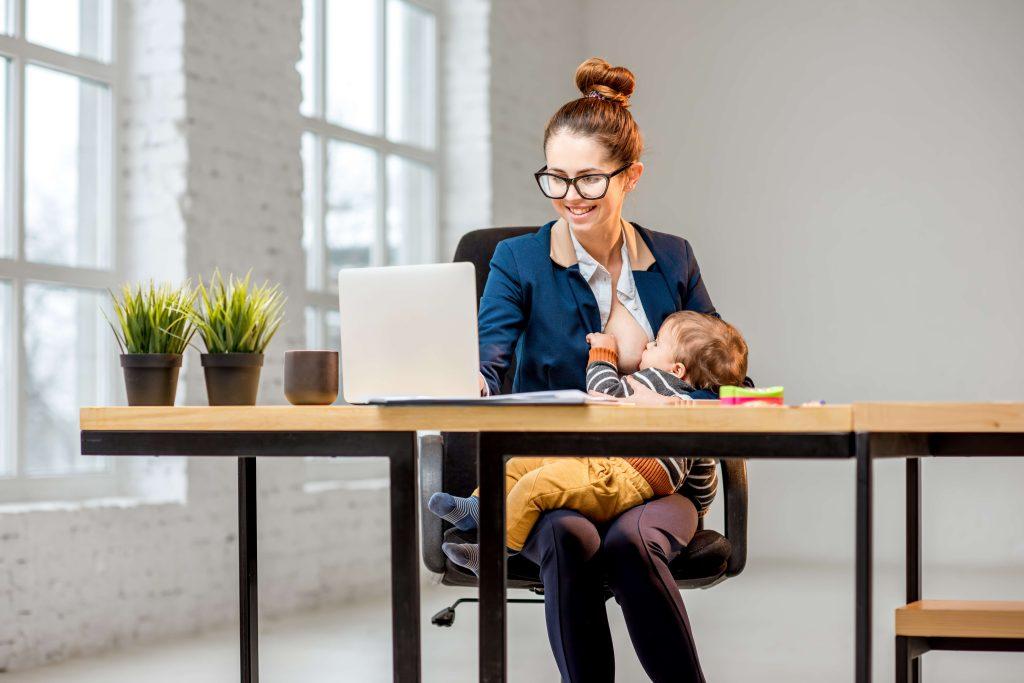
{"type": "Point", "coordinates": [705, 351]}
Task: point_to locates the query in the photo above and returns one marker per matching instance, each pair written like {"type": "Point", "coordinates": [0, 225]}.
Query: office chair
{"type": "Point", "coordinates": [448, 463]}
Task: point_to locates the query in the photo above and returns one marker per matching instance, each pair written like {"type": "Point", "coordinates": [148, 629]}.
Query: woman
{"type": "Point", "coordinates": [591, 271]}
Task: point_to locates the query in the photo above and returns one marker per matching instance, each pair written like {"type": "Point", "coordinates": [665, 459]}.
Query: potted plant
{"type": "Point", "coordinates": [154, 326]}
{"type": "Point", "coordinates": [236, 321]}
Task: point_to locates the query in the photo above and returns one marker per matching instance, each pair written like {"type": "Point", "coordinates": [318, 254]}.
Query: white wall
{"type": "Point", "coordinates": [211, 176]}
{"type": "Point", "coordinates": [862, 159]}
{"type": "Point", "coordinates": [536, 46]}
{"type": "Point", "coordinates": [849, 175]}
{"type": "Point", "coordinates": [466, 121]}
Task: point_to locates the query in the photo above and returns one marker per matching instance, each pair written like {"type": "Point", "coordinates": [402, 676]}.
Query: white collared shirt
{"type": "Point", "coordinates": [600, 281]}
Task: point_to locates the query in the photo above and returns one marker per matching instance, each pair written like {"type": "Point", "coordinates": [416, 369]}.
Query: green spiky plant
{"type": "Point", "coordinates": [235, 316]}
{"type": "Point", "coordinates": [154, 319]}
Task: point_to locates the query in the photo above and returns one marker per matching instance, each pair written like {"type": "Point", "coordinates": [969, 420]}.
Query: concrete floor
{"type": "Point", "coordinates": [773, 623]}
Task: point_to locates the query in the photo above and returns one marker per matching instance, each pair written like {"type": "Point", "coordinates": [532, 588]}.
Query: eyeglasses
{"type": "Point", "coordinates": [590, 186]}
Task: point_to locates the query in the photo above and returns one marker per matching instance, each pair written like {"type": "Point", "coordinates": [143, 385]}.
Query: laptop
{"type": "Point", "coordinates": [408, 337]}
{"type": "Point", "coordinates": [408, 333]}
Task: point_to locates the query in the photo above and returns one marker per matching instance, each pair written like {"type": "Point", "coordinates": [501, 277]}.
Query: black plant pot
{"type": "Point", "coordinates": [232, 379]}
{"type": "Point", "coordinates": [151, 379]}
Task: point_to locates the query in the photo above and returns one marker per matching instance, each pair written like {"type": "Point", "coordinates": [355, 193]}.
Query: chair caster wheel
{"type": "Point", "coordinates": [445, 617]}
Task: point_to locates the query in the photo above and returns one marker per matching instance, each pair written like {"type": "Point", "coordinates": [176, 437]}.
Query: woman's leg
{"type": "Point", "coordinates": [565, 545]}
{"type": "Point", "coordinates": [637, 550]}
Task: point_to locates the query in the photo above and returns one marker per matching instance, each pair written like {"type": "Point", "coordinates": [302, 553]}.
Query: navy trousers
{"type": "Point", "coordinates": [632, 553]}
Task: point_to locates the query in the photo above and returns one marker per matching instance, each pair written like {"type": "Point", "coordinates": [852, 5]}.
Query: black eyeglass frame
{"type": "Point", "coordinates": [571, 182]}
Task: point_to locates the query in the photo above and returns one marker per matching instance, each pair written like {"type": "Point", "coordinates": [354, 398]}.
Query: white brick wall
{"type": "Point", "coordinates": [211, 176]}
{"type": "Point", "coordinates": [466, 66]}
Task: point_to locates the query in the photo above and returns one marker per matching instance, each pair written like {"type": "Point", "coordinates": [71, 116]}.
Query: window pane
{"type": "Point", "coordinates": [67, 169]}
{"type": "Point", "coordinates": [307, 60]}
{"type": "Point", "coordinates": [332, 330]}
{"type": "Point", "coordinates": [6, 380]}
{"type": "Point", "coordinates": [323, 332]}
{"type": "Point", "coordinates": [6, 233]}
{"type": "Point", "coordinates": [78, 27]}
{"type": "Point", "coordinates": [411, 71]}
{"type": "Point", "coordinates": [310, 211]}
{"type": "Point", "coordinates": [312, 328]}
{"type": "Point", "coordinates": [332, 341]}
{"type": "Point", "coordinates": [351, 207]}
{"type": "Point", "coordinates": [352, 53]}
{"type": "Point", "coordinates": [411, 211]}
{"type": "Point", "coordinates": [69, 359]}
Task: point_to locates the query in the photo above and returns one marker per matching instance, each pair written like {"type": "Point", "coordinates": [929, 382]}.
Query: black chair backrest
{"type": "Point", "coordinates": [458, 475]}
{"type": "Point", "coordinates": [478, 247]}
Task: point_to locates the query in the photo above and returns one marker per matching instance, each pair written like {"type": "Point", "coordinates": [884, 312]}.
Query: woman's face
{"type": "Point", "coordinates": [571, 156]}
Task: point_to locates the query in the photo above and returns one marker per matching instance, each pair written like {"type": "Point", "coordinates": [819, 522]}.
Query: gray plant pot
{"type": "Point", "coordinates": [151, 379]}
{"type": "Point", "coordinates": [232, 379]}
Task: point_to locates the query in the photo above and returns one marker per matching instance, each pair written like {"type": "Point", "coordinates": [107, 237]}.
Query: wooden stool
{"type": "Point", "coordinates": [978, 625]}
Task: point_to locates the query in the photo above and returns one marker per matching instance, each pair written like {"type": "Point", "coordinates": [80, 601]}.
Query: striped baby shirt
{"type": "Point", "coordinates": [695, 478]}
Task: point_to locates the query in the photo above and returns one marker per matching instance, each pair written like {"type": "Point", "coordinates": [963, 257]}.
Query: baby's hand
{"type": "Point", "coordinates": [600, 340]}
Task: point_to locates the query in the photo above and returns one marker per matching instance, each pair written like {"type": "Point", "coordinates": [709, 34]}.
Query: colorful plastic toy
{"type": "Point", "coordinates": [736, 395]}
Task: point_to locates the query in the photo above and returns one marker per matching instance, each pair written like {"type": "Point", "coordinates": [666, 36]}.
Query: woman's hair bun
{"type": "Point", "coordinates": [613, 83]}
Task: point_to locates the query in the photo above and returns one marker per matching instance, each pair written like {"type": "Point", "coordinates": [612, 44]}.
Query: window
{"type": "Point", "coordinates": [57, 243]}
{"type": "Point", "coordinates": [370, 147]}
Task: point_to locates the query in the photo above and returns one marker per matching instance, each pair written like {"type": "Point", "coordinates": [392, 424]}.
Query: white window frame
{"type": "Point", "coordinates": [322, 300]}
{"type": "Point", "coordinates": [17, 271]}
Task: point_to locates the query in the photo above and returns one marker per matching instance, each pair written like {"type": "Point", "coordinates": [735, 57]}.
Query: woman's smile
{"type": "Point", "coordinates": [580, 210]}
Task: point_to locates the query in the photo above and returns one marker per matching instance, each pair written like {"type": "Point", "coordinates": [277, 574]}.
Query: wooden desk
{"type": "Point", "coordinates": [359, 431]}
{"type": "Point", "coordinates": [914, 431]}
{"type": "Point", "coordinates": [591, 418]}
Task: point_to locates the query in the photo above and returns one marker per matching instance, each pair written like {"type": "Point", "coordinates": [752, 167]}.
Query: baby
{"type": "Point", "coordinates": [692, 355]}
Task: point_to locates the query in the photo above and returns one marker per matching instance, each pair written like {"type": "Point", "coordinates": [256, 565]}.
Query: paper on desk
{"type": "Point", "coordinates": [566, 397]}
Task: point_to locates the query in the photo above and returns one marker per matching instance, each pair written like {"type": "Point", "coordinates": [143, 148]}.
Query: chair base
{"type": "Point", "coordinates": [446, 617]}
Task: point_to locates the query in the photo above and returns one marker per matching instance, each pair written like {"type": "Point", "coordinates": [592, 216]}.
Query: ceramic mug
{"type": "Point", "coordinates": [311, 377]}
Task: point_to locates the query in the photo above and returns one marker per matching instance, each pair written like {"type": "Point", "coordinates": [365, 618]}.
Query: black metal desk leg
{"type": "Point", "coordinates": [491, 476]}
{"type": "Point", "coordinates": [405, 568]}
{"type": "Point", "coordinates": [249, 630]}
{"type": "Point", "coordinates": [862, 626]}
{"type": "Point", "coordinates": [914, 546]}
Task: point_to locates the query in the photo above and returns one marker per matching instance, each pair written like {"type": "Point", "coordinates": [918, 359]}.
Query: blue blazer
{"type": "Point", "coordinates": [542, 311]}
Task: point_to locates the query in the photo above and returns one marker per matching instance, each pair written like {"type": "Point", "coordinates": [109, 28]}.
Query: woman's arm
{"type": "Point", "coordinates": [695, 297]}
{"type": "Point", "coordinates": [502, 317]}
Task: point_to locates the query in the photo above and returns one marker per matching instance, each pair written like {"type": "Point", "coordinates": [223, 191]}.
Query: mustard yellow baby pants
{"type": "Point", "coordinates": [598, 488]}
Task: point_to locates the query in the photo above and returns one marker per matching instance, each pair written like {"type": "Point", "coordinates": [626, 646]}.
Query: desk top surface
{"type": "Point", "coordinates": [992, 417]}
{"type": "Point", "coordinates": [870, 417]}
{"type": "Point", "coordinates": [589, 418]}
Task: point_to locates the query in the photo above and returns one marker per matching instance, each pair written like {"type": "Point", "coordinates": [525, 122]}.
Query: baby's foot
{"type": "Point", "coordinates": [464, 554]}
{"type": "Point", "coordinates": [463, 513]}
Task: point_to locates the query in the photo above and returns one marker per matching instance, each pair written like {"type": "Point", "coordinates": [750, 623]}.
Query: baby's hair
{"type": "Point", "coordinates": [713, 351]}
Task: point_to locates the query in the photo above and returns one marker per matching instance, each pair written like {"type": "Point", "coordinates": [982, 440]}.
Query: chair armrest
{"type": "Point", "coordinates": [431, 448]}
{"type": "Point", "coordinates": [734, 481]}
